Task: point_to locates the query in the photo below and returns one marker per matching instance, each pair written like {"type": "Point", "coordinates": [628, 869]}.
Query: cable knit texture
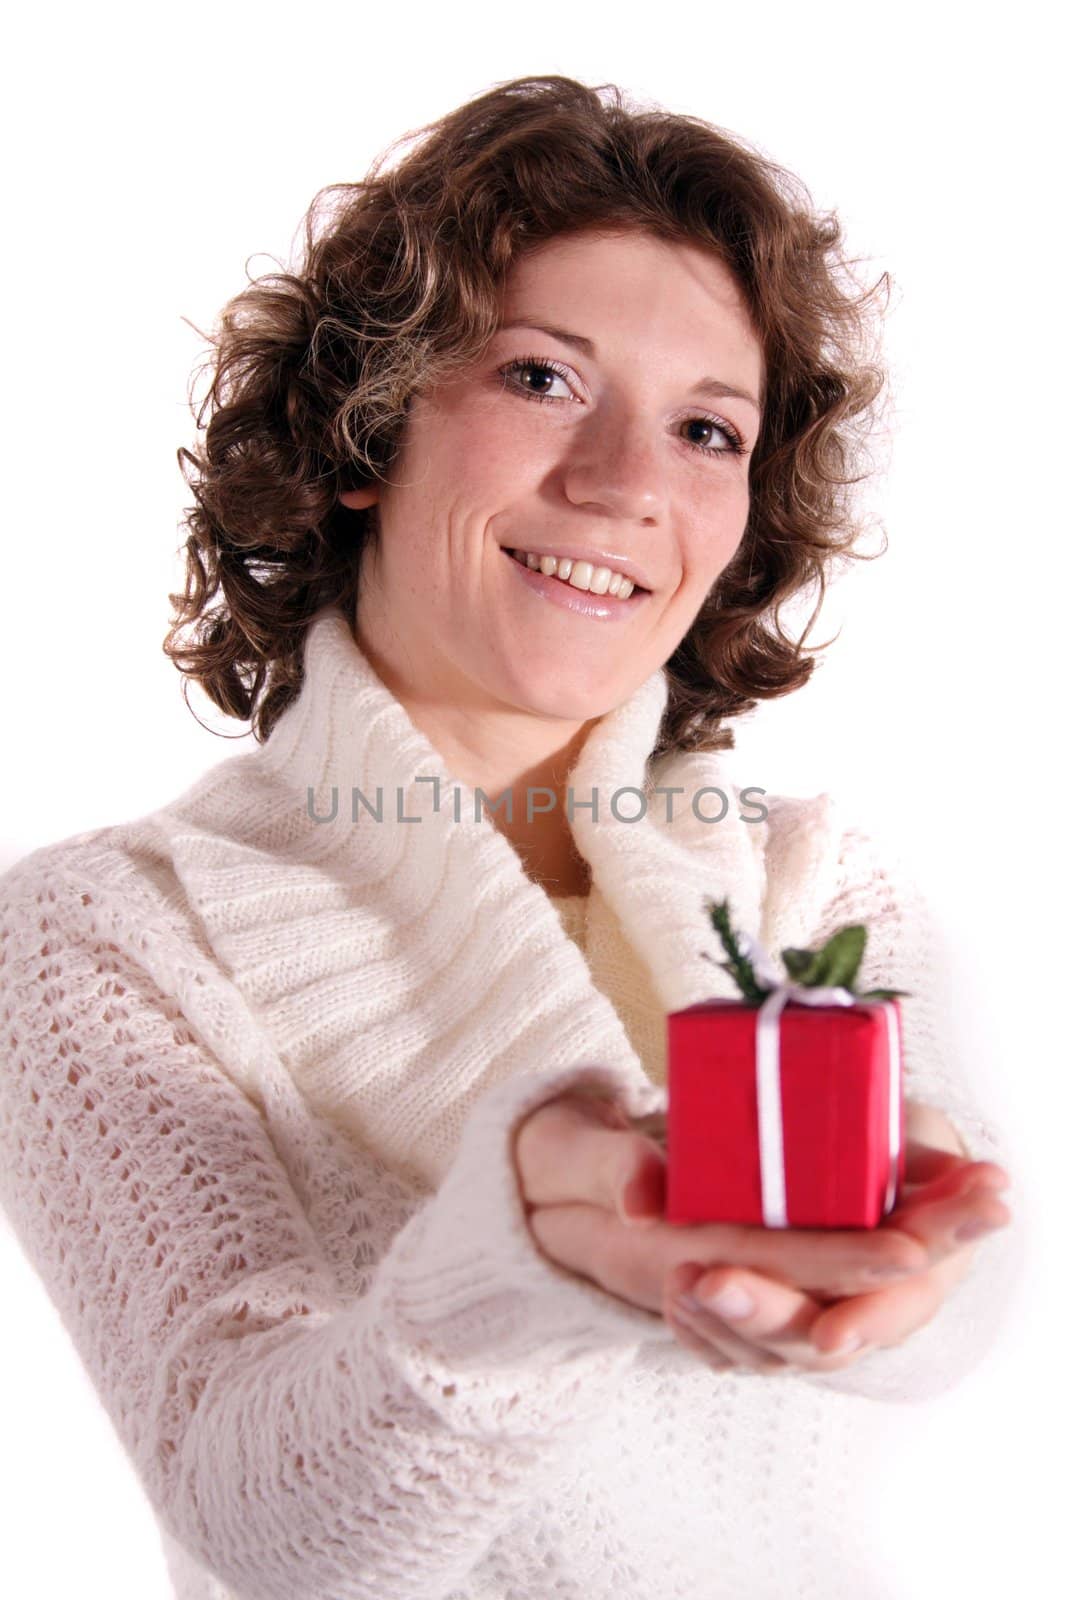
{"type": "Point", "coordinates": [260, 1074]}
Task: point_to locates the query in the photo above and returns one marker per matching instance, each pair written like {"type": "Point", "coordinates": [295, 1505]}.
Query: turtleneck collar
{"type": "Point", "coordinates": [347, 726]}
{"type": "Point", "coordinates": [346, 731]}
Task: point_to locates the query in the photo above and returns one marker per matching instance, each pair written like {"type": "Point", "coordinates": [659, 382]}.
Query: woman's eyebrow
{"type": "Point", "coordinates": [706, 386]}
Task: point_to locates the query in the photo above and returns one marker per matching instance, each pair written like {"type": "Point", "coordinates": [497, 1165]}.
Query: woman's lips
{"type": "Point", "coordinates": [603, 607]}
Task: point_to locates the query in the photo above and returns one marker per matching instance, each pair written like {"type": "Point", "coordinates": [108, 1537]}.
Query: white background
{"type": "Point", "coordinates": [150, 153]}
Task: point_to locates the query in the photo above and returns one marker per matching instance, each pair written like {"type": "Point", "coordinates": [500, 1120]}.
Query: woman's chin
{"type": "Point", "coordinates": [565, 691]}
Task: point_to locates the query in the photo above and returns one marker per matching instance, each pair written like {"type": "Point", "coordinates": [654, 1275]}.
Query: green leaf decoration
{"type": "Point", "coordinates": [800, 964]}
{"type": "Point", "coordinates": [840, 957]}
{"type": "Point", "coordinates": [835, 966]}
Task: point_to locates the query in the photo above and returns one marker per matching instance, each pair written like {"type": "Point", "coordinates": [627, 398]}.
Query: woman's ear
{"type": "Point", "coordinates": [359, 499]}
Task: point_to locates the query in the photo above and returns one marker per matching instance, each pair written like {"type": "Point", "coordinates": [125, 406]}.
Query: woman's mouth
{"type": "Point", "coordinates": [583, 575]}
{"type": "Point", "coordinates": [578, 585]}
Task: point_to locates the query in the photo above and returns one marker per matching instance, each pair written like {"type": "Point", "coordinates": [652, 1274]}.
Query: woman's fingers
{"type": "Point", "coordinates": [587, 1174]}
{"type": "Point", "coordinates": [888, 1316]}
{"type": "Point", "coordinates": [786, 1329]}
{"type": "Point", "coordinates": [706, 1350]}
{"type": "Point", "coordinates": [708, 1338]}
{"type": "Point", "coordinates": [578, 1152]}
{"type": "Point", "coordinates": [633, 1262]}
{"type": "Point", "coordinates": [882, 1317]}
{"type": "Point", "coordinates": [580, 1149]}
{"type": "Point", "coordinates": [746, 1320]}
{"type": "Point", "coordinates": [593, 1243]}
{"type": "Point", "coordinates": [780, 1327]}
{"type": "Point", "coordinates": [945, 1219]}
{"type": "Point", "coordinates": [815, 1260]}
{"type": "Point", "coordinates": [929, 1164]}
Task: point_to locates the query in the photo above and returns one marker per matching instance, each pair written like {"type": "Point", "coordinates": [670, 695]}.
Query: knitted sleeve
{"type": "Point", "coordinates": [905, 951]}
{"type": "Point", "coordinates": [301, 1430]}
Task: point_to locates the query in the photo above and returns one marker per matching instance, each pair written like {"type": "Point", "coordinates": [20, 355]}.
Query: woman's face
{"type": "Point", "coordinates": [637, 454]}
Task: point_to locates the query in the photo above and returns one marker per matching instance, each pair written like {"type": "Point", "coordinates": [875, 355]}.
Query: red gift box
{"type": "Point", "coordinates": [807, 1134]}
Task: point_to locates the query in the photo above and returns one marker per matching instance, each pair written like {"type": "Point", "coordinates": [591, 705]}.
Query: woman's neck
{"type": "Point", "coordinates": [539, 828]}
{"type": "Point", "coordinates": [496, 754]}
{"type": "Point", "coordinates": [552, 860]}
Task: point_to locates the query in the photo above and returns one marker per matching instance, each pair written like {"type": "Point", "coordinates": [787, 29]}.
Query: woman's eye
{"type": "Point", "coordinates": [541, 371]}
{"type": "Point", "coordinates": [546, 373]}
{"type": "Point", "coordinates": [732, 446]}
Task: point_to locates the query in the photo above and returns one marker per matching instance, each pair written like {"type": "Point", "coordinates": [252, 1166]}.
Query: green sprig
{"type": "Point", "coordinates": [835, 965]}
{"type": "Point", "coordinates": [737, 965]}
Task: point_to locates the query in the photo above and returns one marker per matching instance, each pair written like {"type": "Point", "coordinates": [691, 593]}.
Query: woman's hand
{"type": "Point", "coordinates": [779, 1325]}
{"type": "Point", "coordinates": [594, 1187]}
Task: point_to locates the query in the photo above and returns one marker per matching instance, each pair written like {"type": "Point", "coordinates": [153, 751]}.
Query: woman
{"type": "Point", "coordinates": [330, 1107]}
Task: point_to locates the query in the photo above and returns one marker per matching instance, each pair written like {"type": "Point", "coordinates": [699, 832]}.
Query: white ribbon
{"type": "Point", "coordinates": [769, 1077]}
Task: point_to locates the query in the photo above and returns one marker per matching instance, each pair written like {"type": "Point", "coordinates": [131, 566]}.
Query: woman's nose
{"type": "Point", "coordinates": [614, 460]}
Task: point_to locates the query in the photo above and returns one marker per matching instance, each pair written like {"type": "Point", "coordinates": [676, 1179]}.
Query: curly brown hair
{"type": "Point", "coordinates": [401, 285]}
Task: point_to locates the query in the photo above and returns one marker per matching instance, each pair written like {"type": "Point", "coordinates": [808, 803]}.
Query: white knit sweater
{"type": "Point", "coordinates": [257, 1083]}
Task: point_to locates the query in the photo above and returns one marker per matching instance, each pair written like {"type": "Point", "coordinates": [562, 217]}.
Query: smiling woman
{"type": "Point", "coordinates": [337, 1142]}
{"type": "Point", "coordinates": [600, 477]}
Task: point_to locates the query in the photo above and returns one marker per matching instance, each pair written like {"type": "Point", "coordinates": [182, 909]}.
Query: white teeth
{"type": "Point", "coordinates": [580, 574]}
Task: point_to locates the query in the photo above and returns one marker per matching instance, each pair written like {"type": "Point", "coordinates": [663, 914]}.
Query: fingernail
{"type": "Point", "coordinates": [730, 1302]}
{"type": "Point", "coordinates": [888, 1272]}
{"type": "Point", "coordinates": [846, 1347]}
{"type": "Point", "coordinates": [973, 1230]}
